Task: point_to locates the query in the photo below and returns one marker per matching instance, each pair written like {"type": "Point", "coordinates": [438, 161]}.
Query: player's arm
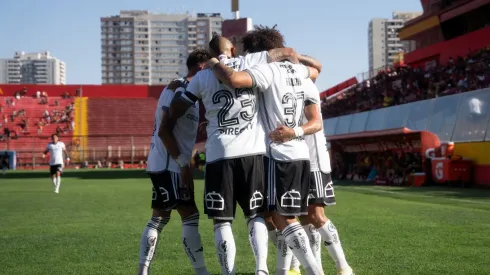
{"type": "Point", "coordinates": [311, 73]}
{"type": "Point", "coordinates": [310, 62]}
{"type": "Point", "coordinates": [166, 134]}
{"type": "Point", "coordinates": [45, 153]}
{"type": "Point", "coordinates": [228, 76]}
{"type": "Point", "coordinates": [307, 72]}
{"type": "Point", "coordinates": [259, 76]}
{"type": "Point", "coordinates": [312, 113]}
{"type": "Point", "coordinates": [66, 153]}
{"type": "Point", "coordinates": [177, 108]}
{"type": "Point", "coordinates": [281, 54]}
{"type": "Point", "coordinates": [314, 117]}
{"type": "Point", "coordinates": [167, 124]}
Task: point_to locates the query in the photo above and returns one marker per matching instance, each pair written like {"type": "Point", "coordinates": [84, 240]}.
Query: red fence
{"type": "Point", "coordinates": [126, 91]}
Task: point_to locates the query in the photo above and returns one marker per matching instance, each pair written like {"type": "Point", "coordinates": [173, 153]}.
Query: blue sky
{"type": "Point", "coordinates": [335, 32]}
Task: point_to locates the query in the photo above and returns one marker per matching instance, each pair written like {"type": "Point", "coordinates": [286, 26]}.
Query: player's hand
{"type": "Point", "coordinates": [186, 188]}
{"type": "Point", "coordinates": [282, 134]}
{"type": "Point", "coordinates": [174, 85]}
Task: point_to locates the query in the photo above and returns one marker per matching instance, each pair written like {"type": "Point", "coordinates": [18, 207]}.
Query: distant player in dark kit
{"type": "Point", "coordinates": [56, 148]}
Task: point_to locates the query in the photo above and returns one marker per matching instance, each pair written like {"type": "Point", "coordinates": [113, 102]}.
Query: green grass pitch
{"type": "Point", "coordinates": [94, 225]}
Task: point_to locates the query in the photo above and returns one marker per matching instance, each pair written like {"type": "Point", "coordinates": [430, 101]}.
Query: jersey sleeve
{"type": "Point", "coordinates": [193, 91]}
{"type": "Point", "coordinates": [312, 94]}
{"type": "Point", "coordinates": [236, 63]}
{"type": "Point", "coordinates": [303, 71]}
{"type": "Point", "coordinates": [165, 99]}
{"type": "Point", "coordinates": [262, 76]}
{"type": "Point", "coordinates": [253, 59]}
{"type": "Point", "coordinates": [63, 146]}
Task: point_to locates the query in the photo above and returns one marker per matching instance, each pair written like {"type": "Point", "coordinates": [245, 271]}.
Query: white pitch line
{"type": "Point", "coordinates": [412, 195]}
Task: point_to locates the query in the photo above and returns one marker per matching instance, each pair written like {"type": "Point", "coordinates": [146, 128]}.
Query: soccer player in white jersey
{"type": "Point", "coordinates": [283, 99]}
{"type": "Point", "coordinates": [269, 39]}
{"type": "Point", "coordinates": [234, 154]}
{"type": "Point", "coordinates": [316, 224]}
{"type": "Point", "coordinates": [171, 149]}
{"type": "Point", "coordinates": [56, 148]}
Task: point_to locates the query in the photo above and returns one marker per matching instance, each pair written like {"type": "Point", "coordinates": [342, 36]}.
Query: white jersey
{"type": "Point", "coordinates": [241, 63]}
{"type": "Point", "coordinates": [283, 96]}
{"type": "Point", "coordinates": [56, 153]}
{"type": "Point", "coordinates": [317, 143]}
{"type": "Point", "coordinates": [234, 129]}
{"type": "Point", "coordinates": [185, 132]}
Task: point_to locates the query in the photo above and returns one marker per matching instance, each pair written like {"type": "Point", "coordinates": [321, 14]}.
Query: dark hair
{"type": "Point", "coordinates": [262, 39]}
{"type": "Point", "coordinates": [214, 42]}
{"type": "Point", "coordinates": [54, 135]}
{"type": "Point", "coordinates": [196, 57]}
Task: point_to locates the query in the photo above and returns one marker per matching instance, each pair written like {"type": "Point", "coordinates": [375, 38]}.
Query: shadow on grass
{"type": "Point", "coordinates": [88, 174]}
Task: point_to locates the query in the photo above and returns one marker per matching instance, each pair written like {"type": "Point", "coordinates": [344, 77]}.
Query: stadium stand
{"type": "Point", "coordinates": [404, 84]}
{"type": "Point", "coordinates": [27, 122]}
{"type": "Point", "coordinates": [119, 128]}
{"type": "Point", "coordinates": [383, 128]}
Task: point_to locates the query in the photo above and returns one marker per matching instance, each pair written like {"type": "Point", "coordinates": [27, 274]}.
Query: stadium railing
{"type": "Point", "coordinates": [368, 75]}
{"type": "Point", "coordinates": [461, 117]}
{"type": "Point", "coordinates": [130, 149]}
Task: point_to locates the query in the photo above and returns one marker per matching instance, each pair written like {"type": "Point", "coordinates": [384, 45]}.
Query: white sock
{"type": "Point", "coordinates": [225, 247]}
{"type": "Point", "coordinates": [259, 237]}
{"type": "Point", "coordinates": [295, 264]}
{"type": "Point", "coordinates": [315, 241]}
{"type": "Point", "coordinates": [192, 243]}
{"type": "Point", "coordinates": [283, 255]}
{"type": "Point", "coordinates": [149, 241]}
{"type": "Point", "coordinates": [332, 241]}
{"type": "Point", "coordinates": [297, 240]}
{"type": "Point", "coordinates": [273, 237]}
{"type": "Point", "coordinates": [54, 181]}
{"type": "Point", "coordinates": [58, 183]}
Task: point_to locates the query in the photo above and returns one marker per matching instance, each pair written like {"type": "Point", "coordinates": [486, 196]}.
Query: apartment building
{"type": "Point", "coordinates": [32, 68]}
{"type": "Point", "coordinates": [383, 42]}
{"type": "Point", "coordinates": [139, 47]}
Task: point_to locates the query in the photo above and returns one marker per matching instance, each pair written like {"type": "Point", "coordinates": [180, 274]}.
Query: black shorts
{"type": "Point", "coordinates": [321, 189]}
{"type": "Point", "coordinates": [232, 181]}
{"type": "Point", "coordinates": [53, 169]}
{"type": "Point", "coordinates": [166, 191]}
{"type": "Point", "coordinates": [288, 186]}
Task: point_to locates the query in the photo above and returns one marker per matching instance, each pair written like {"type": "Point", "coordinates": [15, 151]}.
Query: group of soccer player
{"type": "Point", "coordinates": [265, 151]}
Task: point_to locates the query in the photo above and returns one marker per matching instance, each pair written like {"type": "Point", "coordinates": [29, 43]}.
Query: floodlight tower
{"type": "Point", "coordinates": [235, 8]}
